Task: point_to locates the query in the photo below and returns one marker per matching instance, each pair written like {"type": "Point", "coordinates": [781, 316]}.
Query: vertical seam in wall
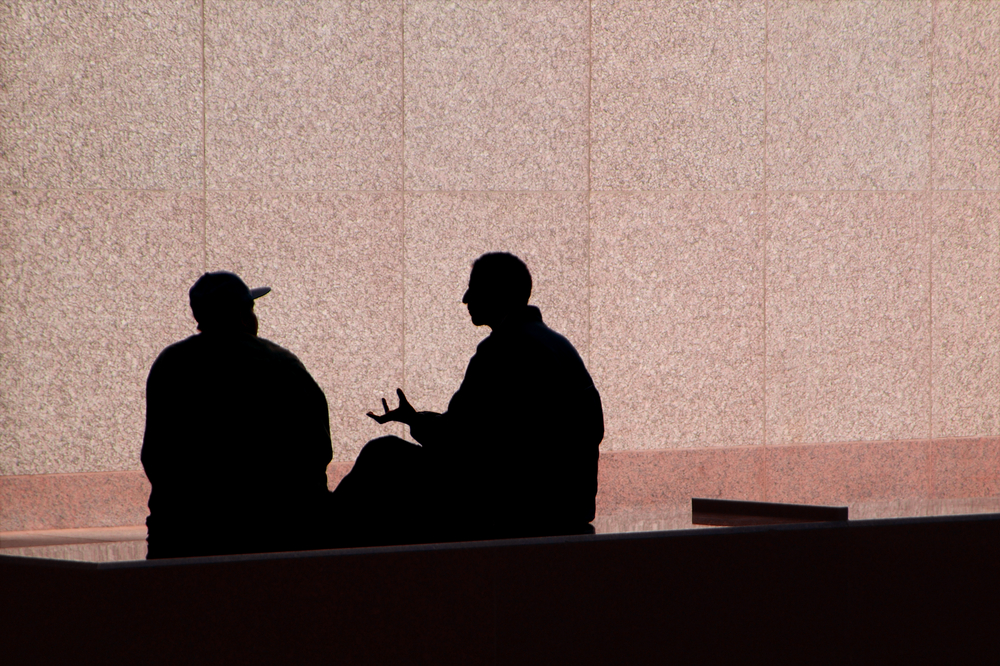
{"type": "Point", "coordinates": [590, 222]}
{"type": "Point", "coordinates": [204, 149]}
{"type": "Point", "coordinates": [402, 183]}
{"type": "Point", "coordinates": [764, 220]}
{"type": "Point", "coordinates": [928, 207]}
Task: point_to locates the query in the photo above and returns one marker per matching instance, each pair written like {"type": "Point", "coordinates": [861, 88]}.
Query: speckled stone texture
{"type": "Point", "coordinates": [678, 318]}
{"type": "Point", "coordinates": [848, 87]}
{"type": "Point", "coordinates": [335, 264]}
{"type": "Point", "coordinates": [764, 222]}
{"type": "Point", "coordinates": [848, 318]}
{"type": "Point", "coordinates": [965, 467]}
{"type": "Point", "coordinates": [496, 95]}
{"type": "Point", "coordinates": [101, 499]}
{"type": "Point", "coordinates": [967, 95]}
{"type": "Point", "coordinates": [445, 233]}
{"type": "Point", "coordinates": [638, 490]}
{"type": "Point", "coordinates": [846, 473]}
{"type": "Point", "coordinates": [678, 95]}
{"type": "Point", "coordinates": [966, 314]}
{"type": "Point", "coordinates": [336, 472]}
{"type": "Point", "coordinates": [94, 286]}
{"type": "Point", "coordinates": [304, 95]}
{"type": "Point", "coordinates": [57, 501]}
{"type": "Point", "coordinates": [630, 480]}
{"type": "Point", "coordinates": [107, 98]}
{"type": "Point", "coordinates": [73, 535]}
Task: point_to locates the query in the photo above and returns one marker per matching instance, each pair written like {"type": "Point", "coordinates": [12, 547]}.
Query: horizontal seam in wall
{"type": "Point", "coordinates": [30, 476]}
{"type": "Point", "coordinates": [504, 191]}
{"type": "Point", "coordinates": [915, 440]}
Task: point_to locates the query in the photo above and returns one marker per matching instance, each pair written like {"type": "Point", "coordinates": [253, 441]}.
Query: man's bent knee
{"type": "Point", "coordinates": [387, 447]}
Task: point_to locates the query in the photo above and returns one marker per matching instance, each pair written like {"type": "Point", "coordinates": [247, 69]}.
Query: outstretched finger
{"type": "Point", "coordinates": [376, 417]}
{"type": "Point", "coordinates": [385, 406]}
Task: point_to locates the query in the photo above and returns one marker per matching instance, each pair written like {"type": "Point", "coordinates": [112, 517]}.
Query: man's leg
{"type": "Point", "coordinates": [382, 501]}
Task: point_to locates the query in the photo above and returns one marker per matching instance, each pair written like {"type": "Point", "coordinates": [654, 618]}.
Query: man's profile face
{"type": "Point", "coordinates": [472, 302]}
{"type": "Point", "coordinates": [481, 301]}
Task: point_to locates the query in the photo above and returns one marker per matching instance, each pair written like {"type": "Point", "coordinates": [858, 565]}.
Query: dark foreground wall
{"type": "Point", "coordinates": [900, 591]}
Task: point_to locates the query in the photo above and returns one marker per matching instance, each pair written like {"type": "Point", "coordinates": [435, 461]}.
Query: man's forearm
{"type": "Point", "coordinates": [427, 427]}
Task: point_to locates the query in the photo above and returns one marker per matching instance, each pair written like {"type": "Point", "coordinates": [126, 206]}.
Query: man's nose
{"type": "Point", "coordinates": [465, 298]}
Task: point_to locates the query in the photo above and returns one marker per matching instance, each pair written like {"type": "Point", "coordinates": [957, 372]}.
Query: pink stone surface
{"type": "Point", "coordinates": [336, 472]}
{"type": "Point", "coordinates": [847, 473]}
{"type": "Point", "coordinates": [58, 501]}
{"type": "Point", "coordinates": [304, 95]}
{"type": "Point", "coordinates": [78, 535]}
{"type": "Point", "coordinates": [967, 95]}
{"type": "Point", "coordinates": [678, 318]}
{"type": "Point", "coordinates": [496, 95]}
{"type": "Point", "coordinates": [359, 156]}
{"type": "Point", "coordinates": [95, 285]}
{"type": "Point", "coordinates": [445, 233]}
{"type": "Point", "coordinates": [335, 264]}
{"type": "Point", "coordinates": [848, 86]}
{"type": "Point", "coordinates": [848, 330]}
{"type": "Point", "coordinates": [637, 479]}
{"type": "Point", "coordinates": [677, 95]}
{"type": "Point", "coordinates": [966, 467]}
{"type": "Point", "coordinates": [966, 314]}
{"type": "Point", "coordinates": [637, 489]}
{"type": "Point", "coordinates": [101, 99]}
{"type": "Point", "coordinates": [121, 551]}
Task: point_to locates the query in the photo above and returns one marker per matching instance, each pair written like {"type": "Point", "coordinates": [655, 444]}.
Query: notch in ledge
{"type": "Point", "coordinates": [739, 513]}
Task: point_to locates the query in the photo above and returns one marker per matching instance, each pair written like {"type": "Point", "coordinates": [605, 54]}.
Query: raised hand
{"type": "Point", "coordinates": [403, 414]}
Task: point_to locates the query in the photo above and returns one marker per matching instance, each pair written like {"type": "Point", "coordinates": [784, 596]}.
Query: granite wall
{"type": "Point", "coordinates": [772, 229]}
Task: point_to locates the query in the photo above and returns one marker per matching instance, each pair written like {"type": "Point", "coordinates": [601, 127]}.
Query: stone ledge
{"type": "Point", "coordinates": [848, 473]}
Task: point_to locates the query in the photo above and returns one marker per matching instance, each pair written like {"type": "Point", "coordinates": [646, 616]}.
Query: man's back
{"type": "Point", "coordinates": [524, 429]}
{"type": "Point", "coordinates": [516, 452]}
{"type": "Point", "coordinates": [236, 447]}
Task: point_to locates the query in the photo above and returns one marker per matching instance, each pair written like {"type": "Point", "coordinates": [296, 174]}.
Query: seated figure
{"type": "Point", "coordinates": [514, 455]}
{"type": "Point", "coordinates": [237, 436]}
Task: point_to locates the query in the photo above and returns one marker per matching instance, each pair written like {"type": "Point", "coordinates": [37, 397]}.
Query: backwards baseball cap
{"type": "Point", "coordinates": [218, 296]}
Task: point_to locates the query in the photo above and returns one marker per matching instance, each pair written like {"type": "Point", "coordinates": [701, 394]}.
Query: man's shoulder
{"type": "Point", "coordinates": [182, 346]}
{"type": "Point", "coordinates": [532, 340]}
{"type": "Point", "coordinates": [247, 346]}
{"type": "Point", "coordinates": [179, 350]}
{"type": "Point", "coordinates": [553, 345]}
{"type": "Point", "coordinates": [176, 362]}
{"type": "Point", "coordinates": [539, 334]}
{"type": "Point", "coordinates": [276, 351]}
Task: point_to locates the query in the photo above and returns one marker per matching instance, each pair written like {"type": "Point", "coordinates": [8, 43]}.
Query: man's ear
{"type": "Point", "coordinates": [249, 322]}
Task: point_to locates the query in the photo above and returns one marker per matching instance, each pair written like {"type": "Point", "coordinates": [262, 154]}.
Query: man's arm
{"type": "Point", "coordinates": [155, 454]}
{"type": "Point", "coordinates": [425, 427]}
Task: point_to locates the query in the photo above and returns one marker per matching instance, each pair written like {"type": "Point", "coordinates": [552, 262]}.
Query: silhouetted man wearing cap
{"type": "Point", "coordinates": [237, 436]}
{"type": "Point", "coordinates": [515, 454]}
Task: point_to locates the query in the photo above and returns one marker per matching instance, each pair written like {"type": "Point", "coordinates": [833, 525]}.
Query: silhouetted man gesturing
{"type": "Point", "coordinates": [515, 454]}
{"type": "Point", "coordinates": [237, 436]}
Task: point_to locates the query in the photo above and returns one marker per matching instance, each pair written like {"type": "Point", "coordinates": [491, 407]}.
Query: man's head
{"type": "Point", "coordinates": [221, 301]}
{"type": "Point", "coordinates": [499, 284]}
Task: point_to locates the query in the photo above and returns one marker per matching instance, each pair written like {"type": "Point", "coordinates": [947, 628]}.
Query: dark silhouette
{"type": "Point", "coordinates": [237, 436]}
{"type": "Point", "coordinates": [515, 454]}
